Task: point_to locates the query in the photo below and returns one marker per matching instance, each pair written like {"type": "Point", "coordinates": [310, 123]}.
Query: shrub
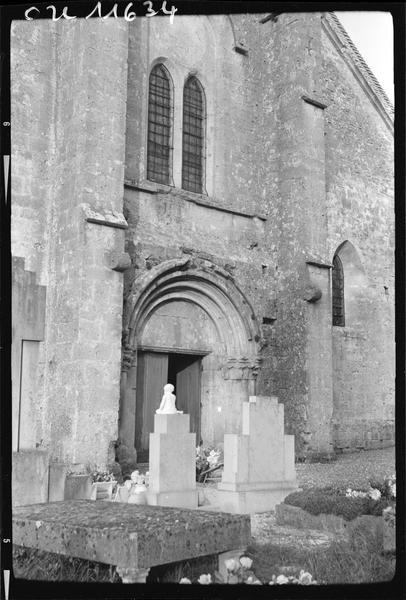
{"type": "Point", "coordinates": [334, 501]}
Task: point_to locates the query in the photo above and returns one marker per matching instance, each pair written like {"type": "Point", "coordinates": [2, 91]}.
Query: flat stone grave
{"type": "Point", "coordinates": [132, 537]}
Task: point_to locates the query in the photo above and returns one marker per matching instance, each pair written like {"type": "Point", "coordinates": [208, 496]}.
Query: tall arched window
{"type": "Point", "coordinates": [160, 108]}
{"type": "Point", "coordinates": [193, 136]}
{"type": "Point", "coordinates": [338, 292]}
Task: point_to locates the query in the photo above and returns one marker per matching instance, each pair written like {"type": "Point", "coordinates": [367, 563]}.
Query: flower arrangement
{"type": "Point", "coordinates": [137, 478]}
{"type": "Point", "coordinates": [134, 490]}
{"type": "Point", "coordinates": [240, 571]}
{"type": "Point", "coordinates": [99, 476]}
{"type": "Point", "coordinates": [207, 458]}
{"type": "Point", "coordinates": [372, 493]}
{"type": "Point", "coordinates": [385, 490]}
{"type": "Point", "coordinates": [304, 578]}
{"type": "Point", "coordinates": [387, 487]}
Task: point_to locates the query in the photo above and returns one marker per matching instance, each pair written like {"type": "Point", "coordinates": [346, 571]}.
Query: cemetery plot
{"type": "Point", "coordinates": [134, 538]}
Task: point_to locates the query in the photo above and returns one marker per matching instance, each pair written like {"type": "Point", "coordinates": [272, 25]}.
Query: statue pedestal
{"type": "Point", "coordinates": [259, 465]}
{"type": "Point", "coordinates": [172, 462]}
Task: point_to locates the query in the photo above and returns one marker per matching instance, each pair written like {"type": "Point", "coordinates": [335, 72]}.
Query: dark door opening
{"type": "Point", "coordinates": [155, 369]}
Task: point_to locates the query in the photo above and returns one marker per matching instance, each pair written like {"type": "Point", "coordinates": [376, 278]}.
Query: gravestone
{"type": "Point", "coordinates": [134, 538]}
{"type": "Point", "coordinates": [172, 462]}
{"type": "Point", "coordinates": [259, 464]}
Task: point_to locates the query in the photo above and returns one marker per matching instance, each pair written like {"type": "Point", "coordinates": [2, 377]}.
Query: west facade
{"type": "Point", "coordinates": [208, 203]}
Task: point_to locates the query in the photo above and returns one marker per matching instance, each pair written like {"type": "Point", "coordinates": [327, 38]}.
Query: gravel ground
{"type": "Point", "coordinates": [352, 469]}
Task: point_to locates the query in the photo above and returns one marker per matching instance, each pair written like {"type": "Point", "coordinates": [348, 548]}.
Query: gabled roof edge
{"type": "Point", "coordinates": [351, 52]}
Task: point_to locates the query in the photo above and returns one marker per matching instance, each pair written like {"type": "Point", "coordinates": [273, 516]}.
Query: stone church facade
{"type": "Point", "coordinates": [208, 203]}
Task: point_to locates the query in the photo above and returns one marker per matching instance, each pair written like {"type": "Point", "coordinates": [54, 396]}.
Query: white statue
{"type": "Point", "coordinates": [168, 405]}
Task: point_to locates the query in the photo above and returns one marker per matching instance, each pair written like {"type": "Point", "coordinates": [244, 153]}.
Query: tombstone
{"type": "Point", "coordinates": [172, 457]}
{"type": "Point", "coordinates": [259, 464]}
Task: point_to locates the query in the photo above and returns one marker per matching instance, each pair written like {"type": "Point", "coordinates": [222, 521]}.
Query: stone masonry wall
{"type": "Point", "coordinates": [68, 115]}
{"type": "Point", "coordinates": [298, 166]}
{"type": "Point", "coordinates": [359, 187]}
{"type": "Point", "coordinates": [276, 151]}
{"type": "Point", "coordinates": [28, 326]}
{"type": "Point", "coordinates": [227, 226]}
{"type": "Point", "coordinates": [296, 162]}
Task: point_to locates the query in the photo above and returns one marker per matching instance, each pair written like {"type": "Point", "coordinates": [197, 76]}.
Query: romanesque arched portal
{"type": "Point", "coordinates": [187, 322]}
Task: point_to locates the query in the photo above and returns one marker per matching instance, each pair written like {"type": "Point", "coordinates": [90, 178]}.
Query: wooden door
{"type": "Point", "coordinates": [152, 374]}
{"type": "Point", "coordinates": [188, 394]}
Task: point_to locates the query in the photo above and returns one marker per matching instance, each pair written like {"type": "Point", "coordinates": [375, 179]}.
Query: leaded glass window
{"type": "Point", "coordinates": [159, 148]}
{"type": "Point", "coordinates": [193, 136]}
{"type": "Point", "coordinates": [338, 292]}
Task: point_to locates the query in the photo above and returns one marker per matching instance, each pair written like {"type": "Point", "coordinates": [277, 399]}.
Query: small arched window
{"type": "Point", "coordinates": [160, 109]}
{"type": "Point", "coordinates": [194, 114]}
{"type": "Point", "coordinates": [338, 292]}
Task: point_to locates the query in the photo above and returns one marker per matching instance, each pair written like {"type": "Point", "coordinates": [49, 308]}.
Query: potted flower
{"type": "Point", "coordinates": [103, 483]}
{"type": "Point", "coordinates": [137, 488]}
{"type": "Point", "coordinates": [207, 461]}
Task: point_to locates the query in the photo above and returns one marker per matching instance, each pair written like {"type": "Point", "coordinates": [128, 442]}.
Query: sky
{"type": "Point", "coordinates": [372, 33]}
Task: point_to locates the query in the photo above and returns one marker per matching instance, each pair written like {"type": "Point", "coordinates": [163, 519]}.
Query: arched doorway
{"type": "Point", "coordinates": [189, 323]}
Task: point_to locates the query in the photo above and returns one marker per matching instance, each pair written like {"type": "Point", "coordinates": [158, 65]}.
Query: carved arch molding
{"type": "Point", "coordinates": [212, 289]}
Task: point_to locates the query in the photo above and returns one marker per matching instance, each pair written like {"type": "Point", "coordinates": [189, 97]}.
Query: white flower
{"type": "Point", "coordinates": [134, 476]}
{"type": "Point", "coordinates": [354, 494]}
{"type": "Point", "coordinates": [231, 565]}
{"type": "Point", "coordinates": [128, 483]}
{"type": "Point", "coordinates": [282, 579]}
{"type": "Point", "coordinates": [393, 490]}
{"type": "Point", "coordinates": [204, 579]}
{"type": "Point", "coordinates": [246, 562]}
{"type": "Point", "coordinates": [305, 578]}
{"type": "Point", "coordinates": [253, 581]}
{"type": "Point", "coordinates": [185, 580]}
{"type": "Point", "coordinates": [374, 494]}
{"type": "Point", "coordinates": [213, 457]}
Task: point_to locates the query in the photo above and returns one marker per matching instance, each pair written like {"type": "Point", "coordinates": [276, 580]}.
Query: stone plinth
{"type": "Point", "coordinates": [172, 462]}
{"type": "Point", "coordinates": [259, 465]}
{"type": "Point", "coordinates": [30, 477]}
{"type": "Point", "coordinates": [134, 538]}
{"type": "Point", "coordinates": [78, 487]}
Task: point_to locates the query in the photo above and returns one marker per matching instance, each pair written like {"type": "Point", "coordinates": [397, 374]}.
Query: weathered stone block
{"type": "Point", "coordinates": [78, 487]}
{"type": "Point", "coordinates": [127, 535]}
{"type": "Point", "coordinates": [172, 462]}
{"type": "Point", "coordinates": [30, 471]}
{"type": "Point", "coordinates": [259, 468]}
{"type": "Point", "coordinates": [57, 477]}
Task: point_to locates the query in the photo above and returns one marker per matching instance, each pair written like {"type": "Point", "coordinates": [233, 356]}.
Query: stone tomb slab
{"type": "Point", "coordinates": [131, 537]}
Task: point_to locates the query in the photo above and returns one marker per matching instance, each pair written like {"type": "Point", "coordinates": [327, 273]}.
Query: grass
{"type": "Point", "coordinates": [333, 501]}
{"type": "Point", "coordinates": [342, 562]}
{"type": "Point", "coordinates": [47, 566]}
